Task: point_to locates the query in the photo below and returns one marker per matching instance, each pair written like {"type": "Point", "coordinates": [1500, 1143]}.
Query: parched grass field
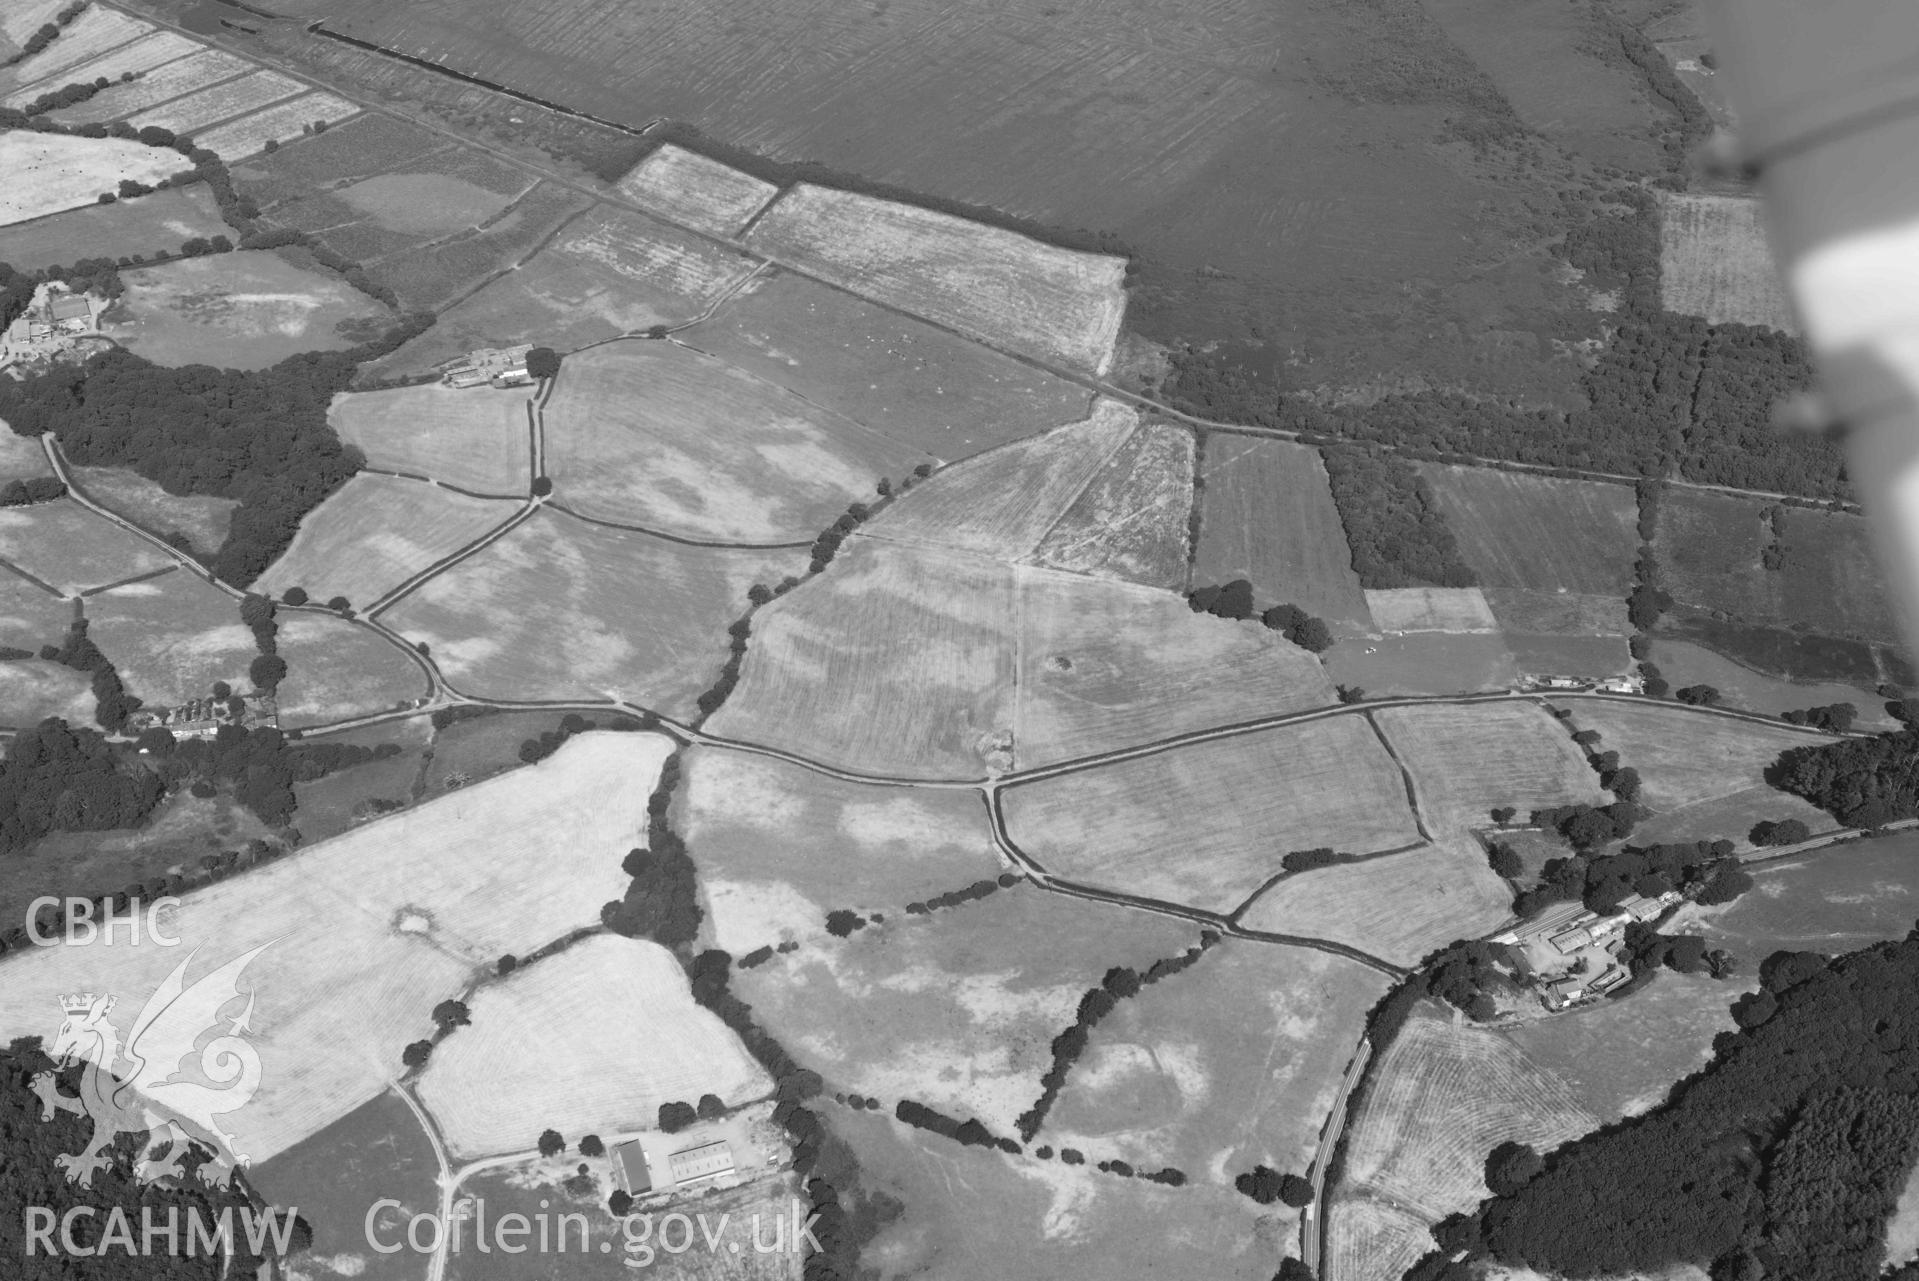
{"type": "Point", "coordinates": [172, 637]}
{"type": "Point", "coordinates": [1537, 532]}
{"type": "Point", "coordinates": [21, 456]}
{"type": "Point", "coordinates": [779, 846]}
{"type": "Point", "coordinates": [21, 20]}
{"type": "Point", "coordinates": [659, 435]}
{"type": "Point", "coordinates": [958, 1009]}
{"type": "Point", "coordinates": [138, 56]}
{"type": "Point", "coordinates": [477, 439]}
{"type": "Point", "coordinates": [243, 310]}
{"type": "Point", "coordinates": [1594, 657]}
{"type": "Point", "coordinates": [1366, 1237]}
{"type": "Point", "coordinates": [338, 670]}
{"type": "Point", "coordinates": [376, 532]}
{"type": "Point", "coordinates": [197, 70]}
{"type": "Point", "coordinates": [996, 285]}
{"type": "Point", "coordinates": [1131, 522]}
{"type": "Point", "coordinates": [1424, 663]}
{"type": "Point", "coordinates": [689, 188]}
{"type": "Point", "coordinates": [1443, 1095]}
{"type": "Point", "coordinates": [1266, 515]}
{"type": "Point", "coordinates": [1456, 610]}
{"type": "Point", "coordinates": [1834, 900]}
{"type": "Point", "coordinates": [250, 134]}
{"type": "Point", "coordinates": [32, 690]}
{"type": "Point", "coordinates": [161, 220]}
{"type": "Point", "coordinates": [591, 1040]}
{"type": "Point", "coordinates": [201, 517]}
{"type": "Point", "coordinates": [1714, 261]}
{"type": "Point", "coordinates": [922, 386]}
{"type": "Point", "coordinates": [896, 660]}
{"type": "Point", "coordinates": [72, 550]}
{"type": "Point", "coordinates": [1401, 907]}
{"type": "Point", "coordinates": [560, 608]}
{"type": "Point", "coordinates": [359, 148]}
{"type": "Point", "coordinates": [1833, 580]}
{"type": "Point", "coordinates": [1620, 1058]}
{"type": "Point", "coordinates": [48, 172]}
{"type": "Point", "coordinates": [377, 1145]}
{"type": "Point", "coordinates": [1683, 663]}
{"type": "Point", "coordinates": [1231, 1064]}
{"type": "Point", "coordinates": [30, 616]}
{"type": "Point", "coordinates": [1207, 824]}
{"type": "Point", "coordinates": [360, 793]}
{"type": "Point", "coordinates": [1105, 665]}
{"type": "Point", "coordinates": [1709, 548]}
{"type": "Point", "coordinates": [94, 32]}
{"type": "Point", "coordinates": [1048, 1220]}
{"type": "Point", "coordinates": [1684, 756]}
{"type": "Point", "coordinates": [365, 933]}
{"type": "Point", "coordinates": [503, 312]}
{"type": "Point", "coordinates": [1001, 503]}
{"type": "Point", "coordinates": [219, 102]}
{"type": "Point", "coordinates": [1557, 615]}
{"type": "Point", "coordinates": [1465, 760]}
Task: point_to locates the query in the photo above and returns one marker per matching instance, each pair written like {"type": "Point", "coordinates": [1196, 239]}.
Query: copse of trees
{"type": "Point", "coordinates": [1320, 856]}
{"type": "Point", "coordinates": [1398, 536]}
{"type": "Point", "coordinates": [57, 777]}
{"type": "Point", "coordinates": [1862, 782]}
{"type": "Point", "coordinates": [1835, 717]}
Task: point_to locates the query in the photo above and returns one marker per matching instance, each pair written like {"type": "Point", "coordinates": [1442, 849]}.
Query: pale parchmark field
{"type": "Point", "coordinates": [138, 56]}
{"type": "Point", "coordinates": [1466, 760]}
{"type": "Point", "coordinates": [96, 31]}
{"type": "Point", "coordinates": [1714, 261]}
{"type": "Point", "coordinates": [220, 102]}
{"type": "Point", "coordinates": [50, 172]}
{"type": "Point", "coordinates": [72, 550]}
{"type": "Point", "coordinates": [592, 1039]}
{"type": "Point", "coordinates": [1207, 824]}
{"type": "Point", "coordinates": [374, 533]}
{"type": "Point", "coordinates": [1456, 610]}
{"type": "Point", "coordinates": [476, 438]}
{"type": "Point", "coordinates": [31, 690]}
{"type": "Point", "coordinates": [364, 934]}
{"type": "Point", "coordinates": [995, 285]}
{"type": "Point", "coordinates": [702, 193]}
{"type": "Point", "coordinates": [162, 83]}
{"type": "Point", "coordinates": [201, 517]}
{"type": "Point", "coordinates": [1131, 521]}
{"type": "Point", "coordinates": [249, 135]}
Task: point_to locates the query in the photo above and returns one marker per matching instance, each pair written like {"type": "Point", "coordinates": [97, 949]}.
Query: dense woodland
{"type": "Point", "coordinates": [1398, 536]}
{"type": "Point", "coordinates": [1781, 1159]}
{"type": "Point", "coordinates": [1862, 782]}
{"type": "Point", "coordinates": [57, 777]}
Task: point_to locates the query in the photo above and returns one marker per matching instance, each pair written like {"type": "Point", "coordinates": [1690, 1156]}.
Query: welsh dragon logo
{"type": "Point", "coordinates": [166, 1079]}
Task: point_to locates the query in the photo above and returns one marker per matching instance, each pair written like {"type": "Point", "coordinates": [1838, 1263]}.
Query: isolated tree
{"type": "Point", "coordinates": [1295, 1190]}
{"type": "Point", "coordinates": [1504, 814]}
{"type": "Point", "coordinates": [543, 362]}
{"type": "Point", "coordinates": [295, 596]}
{"type": "Point", "coordinates": [1511, 1166]}
{"type": "Point", "coordinates": [759, 593]}
{"type": "Point", "coordinates": [710, 1107]}
{"type": "Point", "coordinates": [542, 486]}
{"type": "Point", "coordinates": [415, 1055]}
{"type": "Point", "coordinates": [1698, 695]}
{"type": "Point", "coordinates": [591, 1145]}
{"type": "Point", "coordinates": [1350, 693]}
{"type": "Point", "coordinates": [450, 1014]}
{"type": "Point", "coordinates": [841, 923]}
{"type": "Point", "coordinates": [1262, 1183]}
{"type": "Point", "coordinates": [222, 690]}
{"type": "Point", "coordinates": [340, 603]}
{"type": "Point", "coordinates": [676, 1116]}
{"type": "Point", "coordinates": [620, 1203]}
{"type": "Point", "coordinates": [507, 964]}
{"type": "Point", "coordinates": [1283, 618]}
{"type": "Point", "coordinates": [551, 1143]}
{"type": "Point", "coordinates": [1291, 1269]}
{"type": "Point", "coordinates": [266, 671]}
{"type": "Point", "coordinates": [1787, 831]}
{"type": "Point", "coordinates": [1235, 600]}
{"type": "Point", "coordinates": [1314, 635]}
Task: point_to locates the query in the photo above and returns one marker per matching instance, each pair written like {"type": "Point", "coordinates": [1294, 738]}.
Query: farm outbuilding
{"type": "Point", "coordinates": [629, 1167]}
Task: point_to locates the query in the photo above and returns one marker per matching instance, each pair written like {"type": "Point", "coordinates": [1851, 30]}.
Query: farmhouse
{"type": "Point", "coordinates": [203, 717]}
{"type": "Point", "coordinates": [52, 317]}
{"type": "Point", "coordinates": [1573, 953]}
{"type": "Point", "coordinates": [500, 366]}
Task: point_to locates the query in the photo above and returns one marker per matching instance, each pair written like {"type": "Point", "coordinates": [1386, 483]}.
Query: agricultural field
{"type": "Point", "coordinates": [1106, 665]}
{"type": "Point", "coordinates": [475, 749]}
{"type": "Point", "coordinates": [1714, 261]}
{"type": "Point", "coordinates": [560, 608]}
{"type": "Point", "coordinates": [902, 377]}
{"type": "Point", "coordinates": [896, 660]}
{"type": "Point", "coordinates": [1266, 515]}
{"type": "Point", "coordinates": [413, 905]}
{"type": "Point", "coordinates": [704, 194]}
{"type": "Point", "coordinates": [657, 435]}
{"type": "Point", "coordinates": [1539, 617]}
{"type": "Point", "coordinates": [367, 145]}
{"type": "Point", "coordinates": [377, 1145]}
{"type": "Point", "coordinates": [22, 456]}
{"type": "Point", "coordinates": [1709, 548]}
{"type": "Point", "coordinates": [1833, 581]}
{"type": "Point", "coordinates": [30, 615]}
{"type": "Point", "coordinates": [375, 533]}
{"type": "Point", "coordinates": [1683, 663]}
{"type": "Point", "coordinates": [1538, 533]}
{"type": "Point", "coordinates": [201, 517]}
{"type": "Point", "coordinates": [1368, 1238]}
{"type": "Point", "coordinates": [32, 690]}
{"type": "Point", "coordinates": [1424, 663]}
{"type": "Point", "coordinates": [70, 550]}
{"type": "Point", "coordinates": [243, 310]}
{"type": "Point", "coordinates": [96, 31]}
{"type": "Point", "coordinates": [219, 102]}
{"type": "Point", "coordinates": [778, 846]}
{"type": "Point", "coordinates": [49, 172]}
{"type": "Point", "coordinates": [1593, 657]}
{"type": "Point", "coordinates": [1455, 610]}
{"type": "Point", "coordinates": [138, 56]}
{"type": "Point", "coordinates": [451, 192]}
{"type": "Point", "coordinates": [1131, 522]}
{"type": "Point", "coordinates": [1442, 1095]}
{"type": "Point", "coordinates": [359, 793]}
{"type": "Point", "coordinates": [21, 20]}
{"type": "Point", "coordinates": [957, 1010]}
{"type": "Point", "coordinates": [1207, 824]}
{"type": "Point", "coordinates": [1621, 1058]}
{"type": "Point", "coordinates": [163, 83]}
{"type": "Point", "coordinates": [1400, 907]}
{"type": "Point", "coordinates": [1003, 502]}
{"type": "Point", "coordinates": [995, 285]}
{"type": "Point", "coordinates": [338, 670]}
{"type": "Point", "coordinates": [172, 637]}
{"type": "Point", "coordinates": [1684, 756]}
{"type": "Point", "coordinates": [1464, 761]}
{"type": "Point", "coordinates": [473, 439]}
{"type": "Point", "coordinates": [1231, 1064]}
{"type": "Point", "coordinates": [592, 1039]}
{"type": "Point", "coordinates": [1048, 1219]}
{"type": "Point", "coordinates": [1834, 900]}
{"type": "Point", "coordinates": [161, 220]}
{"type": "Point", "coordinates": [250, 134]}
